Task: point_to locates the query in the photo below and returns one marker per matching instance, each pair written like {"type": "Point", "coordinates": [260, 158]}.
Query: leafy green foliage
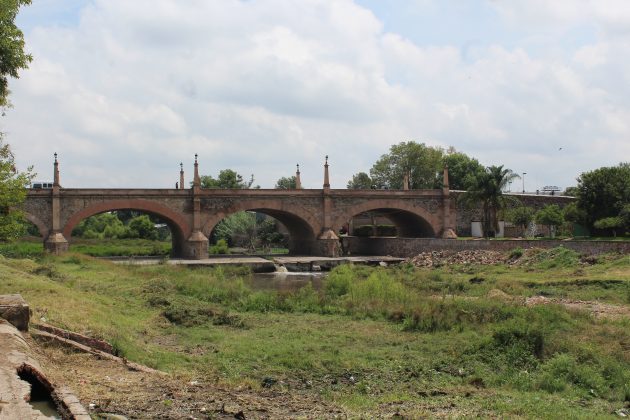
{"type": "Point", "coordinates": [462, 170]}
{"type": "Point", "coordinates": [521, 216]}
{"type": "Point", "coordinates": [221, 247]}
{"type": "Point", "coordinates": [108, 225]}
{"type": "Point", "coordinates": [550, 215]}
{"type": "Point", "coordinates": [227, 179]}
{"type": "Point", "coordinates": [604, 192]}
{"type": "Point", "coordinates": [422, 163]}
{"type": "Point", "coordinates": [249, 230]}
{"type": "Point", "coordinates": [487, 188]}
{"type": "Point", "coordinates": [610, 223]}
{"type": "Point", "coordinates": [12, 55]}
{"type": "Point", "coordinates": [360, 181]}
{"type": "Point", "coordinates": [285, 183]}
{"type": "Point", "coordinates": [13, 185]}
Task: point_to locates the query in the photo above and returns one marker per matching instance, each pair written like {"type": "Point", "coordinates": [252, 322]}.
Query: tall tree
{"type": "Point", "coordinates": [285, 183]}
{"type": "Point", "coordinates": [487, 189]}
{"type": "Point", "coordinates": [227, 179]}
{"type": "Point", "coordinates": [13, 186]}
{"type": "Point", "coordinates": [360, 181]}
{"type": "Point", "coordinates": [422, 163]}
{"type": "Point", "coordinates": [12, 55]}
{"type": "Point", "coordinates": [462, 169]}
{"type": "Point", "coordinates": [604, 192]}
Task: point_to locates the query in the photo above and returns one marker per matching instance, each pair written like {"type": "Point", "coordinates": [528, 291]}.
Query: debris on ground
{"type": "Point", "coordinates": [433, 259]}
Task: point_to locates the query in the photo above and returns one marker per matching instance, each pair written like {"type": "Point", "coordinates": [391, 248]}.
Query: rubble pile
{"type": "Point", "coordinates": [442, 258]}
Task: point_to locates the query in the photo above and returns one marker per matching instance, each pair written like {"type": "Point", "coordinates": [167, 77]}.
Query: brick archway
{"type": "Point", "coordinates": [410, 220]}
{"type": "Point", "coordinates": [41, 226]}
{"type": "Point", "coordinates": [180, 228]}
{"type": "Point", "coordinates": [303, 227]}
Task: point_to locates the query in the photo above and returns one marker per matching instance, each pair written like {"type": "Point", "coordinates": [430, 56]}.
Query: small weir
{"type": "Point", "coordinates": [286, 281]}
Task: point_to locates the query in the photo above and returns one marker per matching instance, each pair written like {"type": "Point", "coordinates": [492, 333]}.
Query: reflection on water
{"type": "Point", "coordinates": [286, 281]}
{"type": "Point", "coordinates": [47, 408]}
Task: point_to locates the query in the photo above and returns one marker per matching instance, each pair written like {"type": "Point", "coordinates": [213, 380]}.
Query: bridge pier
{"type": "Point", "coordinates": [196, 247]}
{"type": "Point", "coordinates": [328, 244]}
{"type": "Point", "coordinates": [56, 243]}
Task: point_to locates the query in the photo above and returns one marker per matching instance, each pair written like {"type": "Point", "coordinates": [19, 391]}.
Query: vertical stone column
{"type": "Point", "coordinates": [448, 231]}
{"type": "Point", "coordinates": [56, 243]}
{"type": "Point", "coordinates": [298, 181]}
{"type": "Point", "coordinates": [328, 241]}
{"type": "Point", "coordinates": [197, 243]}
{"type": "Point", "coordinates": [181, 176]}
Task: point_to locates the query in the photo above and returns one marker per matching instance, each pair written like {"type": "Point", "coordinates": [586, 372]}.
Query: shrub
{"type": "Point", "coordinates": [221, 247]}
{"type": "Point", "coordinates": [516, 253]}
{"type": "Point", "coordinates": [363, 230]}
{"type": "Point", "coordinates": [338, 281]}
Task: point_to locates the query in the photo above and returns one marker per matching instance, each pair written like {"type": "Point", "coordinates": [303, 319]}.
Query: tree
{"type": "Point", "coordinates": [142, 227]}
{"type": "Point", "coordinates": [521, 216]}
{"type": "Point", "coordinates": [238, 229]}
{"type": "Point", "coordinates": [13, 185]}
{"type": "Point", "coordinates": [227, 179]}
{"type": "Point", "coordinates": [550, 215]}
{"type": "Point", "coordinates": [574, 214]}
{"type": "Point", "coordinates": [285, 183]}
{"type": "Point", "coordinates": [604, 192]}
{"type": "Point", "coordinates": [570, 191]}
{"type": "Point", "coordinates": [612, 223]}
{"type": "Point", "coordinates": [360, 181]}
{"type": "Point", "coordinates": [422, 163]}
{"type": "Point", "coordinates": [487, 189]}
{"type": "Point", "coordinates": [12, 55]}
{"type": "Point", "coordinates": [462, 169]}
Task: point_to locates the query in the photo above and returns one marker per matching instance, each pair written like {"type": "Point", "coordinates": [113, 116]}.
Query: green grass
{"type": "Point", "coordinates": [370, 337]}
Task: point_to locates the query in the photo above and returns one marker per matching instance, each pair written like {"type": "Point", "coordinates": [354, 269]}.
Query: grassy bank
{"type": "Point", "coordinates": [458, 340]}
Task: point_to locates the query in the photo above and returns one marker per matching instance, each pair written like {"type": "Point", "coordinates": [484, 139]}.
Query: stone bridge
{"type": "Point", "coordinates": [312, 216]}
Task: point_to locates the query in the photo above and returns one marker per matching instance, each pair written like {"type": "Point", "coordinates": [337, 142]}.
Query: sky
{"type": "Point", "coordinates": [125, 90]}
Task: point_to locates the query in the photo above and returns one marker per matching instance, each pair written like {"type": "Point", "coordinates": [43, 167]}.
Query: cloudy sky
{"type": "Point", "coordinates": [125, 90]}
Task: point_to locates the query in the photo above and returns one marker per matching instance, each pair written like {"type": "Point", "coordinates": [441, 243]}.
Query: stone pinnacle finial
{"type": "Point", "coordinates": [56, 172]}
{"type": "Point", "coordinates": [298, 181]}
{"type": "Point", "coordinates": [326, 177]}
{"type": "Point", "coordinates": [181, 176]}
{"type": "Point", "coordinates": [196, 179]}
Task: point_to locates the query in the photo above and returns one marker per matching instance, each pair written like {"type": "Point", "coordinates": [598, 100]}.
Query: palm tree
{"type": "Point", "coordinates": [487, 189]}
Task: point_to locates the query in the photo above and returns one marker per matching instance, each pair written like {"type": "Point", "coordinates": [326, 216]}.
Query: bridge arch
{"type": "Point", "coordinates": [303, 227]}
{"type": "Point", "coordinates": [180, 228]}
{"type": "Point", "coordinates": [41, 226]}
{"type": "Point", "coordinates": [411, 221]}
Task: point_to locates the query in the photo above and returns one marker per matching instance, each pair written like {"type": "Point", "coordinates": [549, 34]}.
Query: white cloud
{"type": "Point", "coordinates": [138, 86]}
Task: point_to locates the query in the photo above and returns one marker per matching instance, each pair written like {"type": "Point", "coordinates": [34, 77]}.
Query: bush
{"type": "Point", "coordinates": [516, 253]}
{"type": "Point", "coordinates": [363, 230]}
{"type": "Point", "coordinates": [221, 247]}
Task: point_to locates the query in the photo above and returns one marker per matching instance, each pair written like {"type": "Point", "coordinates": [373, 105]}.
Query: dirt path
{"type": "Point", "coordinates": [599, 310]}
{"type": "Point", "coordinates": [105, 386]}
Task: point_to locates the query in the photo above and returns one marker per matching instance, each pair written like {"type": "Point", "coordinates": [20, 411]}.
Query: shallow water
{"type": "Point", "coordinates": [286, 281]}
{"type": "Point", "coordinates": [47, 408]}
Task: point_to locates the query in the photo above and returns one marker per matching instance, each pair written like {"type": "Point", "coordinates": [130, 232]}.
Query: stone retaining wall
{"type": "Point", "coordinates": [408, 247]}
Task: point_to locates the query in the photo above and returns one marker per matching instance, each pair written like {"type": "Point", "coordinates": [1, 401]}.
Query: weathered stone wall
{"type": "Point", "coordinates": [407, 247]}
